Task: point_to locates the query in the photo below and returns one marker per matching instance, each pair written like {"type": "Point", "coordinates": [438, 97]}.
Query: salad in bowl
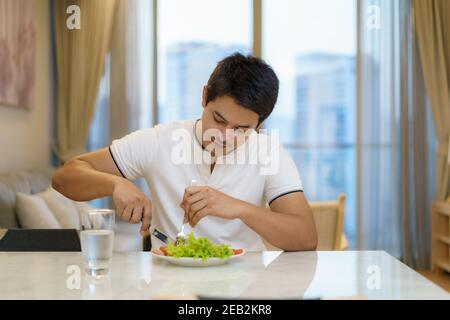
{"type": "Point", "coordinates": [197, 252]}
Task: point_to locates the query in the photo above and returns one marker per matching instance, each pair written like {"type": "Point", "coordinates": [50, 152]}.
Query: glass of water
{"type": "Point", "coordinates": [97, 238]}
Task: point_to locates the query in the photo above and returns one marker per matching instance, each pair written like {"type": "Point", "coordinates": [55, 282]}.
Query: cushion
{"type": "Point", "coordinates": [65, 210]}
{"type": "Point", "coordinates": [9, 185]}
{"type": "Point", "coordinates": [31, 181]}
{"type": "Point", "coordinates": [39, 180]}
{"type": "Point", "coordinates": [33, 213]}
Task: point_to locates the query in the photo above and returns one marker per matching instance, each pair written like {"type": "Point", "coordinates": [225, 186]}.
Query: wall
{"type": "Point", "coordinates": [25, 134]}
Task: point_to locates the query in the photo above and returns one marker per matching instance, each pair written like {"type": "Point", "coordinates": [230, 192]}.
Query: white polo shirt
{"type": "Point", "coordinates": [169, 156]}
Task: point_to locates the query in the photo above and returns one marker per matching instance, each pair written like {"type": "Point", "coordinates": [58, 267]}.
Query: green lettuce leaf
{"type": "Point", "coordinates": [199, 248]}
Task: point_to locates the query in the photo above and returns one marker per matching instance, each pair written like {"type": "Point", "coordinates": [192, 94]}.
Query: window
{"type": "Point", "coordinates": [190, 43]}
{"type": "Point", "coordinates": [313, 50]}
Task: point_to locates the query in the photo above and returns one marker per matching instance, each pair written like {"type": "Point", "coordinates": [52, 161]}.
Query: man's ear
{"type": "Point", "coordinates": [204, 94]}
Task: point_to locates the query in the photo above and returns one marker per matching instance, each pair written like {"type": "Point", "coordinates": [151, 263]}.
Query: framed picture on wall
{"type": "Point", "coordinates": [17, 53]}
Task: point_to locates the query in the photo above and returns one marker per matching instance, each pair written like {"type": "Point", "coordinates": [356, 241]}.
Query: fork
{"type": "Point", "coordinates": [181, 237]}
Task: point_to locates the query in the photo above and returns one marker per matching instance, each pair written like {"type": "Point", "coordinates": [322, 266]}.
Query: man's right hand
{"type": "Point", "coordinates": [132, 205]}
{"type": "Point", "coordinates": [94, 175]}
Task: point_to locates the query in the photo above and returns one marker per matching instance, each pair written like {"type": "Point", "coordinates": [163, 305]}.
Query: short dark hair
{"type": "Point", "coordinates": [249, 80]}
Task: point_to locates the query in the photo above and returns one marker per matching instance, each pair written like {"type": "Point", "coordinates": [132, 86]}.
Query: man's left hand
{"type": "Point", "coordinates": [199, 202]}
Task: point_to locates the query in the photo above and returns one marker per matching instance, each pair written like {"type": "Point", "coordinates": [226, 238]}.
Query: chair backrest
{"type": "Point", "coordinates": [329, 218]}
{"type": "Point", "coordinates": [440, 235]}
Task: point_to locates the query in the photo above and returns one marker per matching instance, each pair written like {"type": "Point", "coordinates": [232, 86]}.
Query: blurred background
{"type": "Point", "coordinates": [364, 103]}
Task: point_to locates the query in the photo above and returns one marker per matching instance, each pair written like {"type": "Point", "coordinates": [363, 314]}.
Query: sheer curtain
{"type": "Point", "coordinates": [131, 68]}
{"type": "Point", "coordinates": [393, 165]}
{"type": "Point", "coordinates": [124, 99]}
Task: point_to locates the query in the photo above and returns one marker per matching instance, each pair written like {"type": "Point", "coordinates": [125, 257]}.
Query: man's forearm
{"type": "Point", "coordinates": [79, 181]}
{"type": "Point", "coordinates": [286, 231]}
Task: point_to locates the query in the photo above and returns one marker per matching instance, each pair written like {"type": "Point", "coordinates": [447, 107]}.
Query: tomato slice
{"type": "Point", "coordinates": [237, 251]}
{"type": "Point", "coordinates": [164, 250]}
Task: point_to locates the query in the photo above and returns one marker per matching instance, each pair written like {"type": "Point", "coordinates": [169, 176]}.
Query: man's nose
{"type": "Point", "coordinates": [227, 133]}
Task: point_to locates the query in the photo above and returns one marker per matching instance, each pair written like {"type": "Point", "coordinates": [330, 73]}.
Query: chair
{"type": "Point", "coordinates": [440, 236]}
{"type": "Point", "coordinates": [329, 218]}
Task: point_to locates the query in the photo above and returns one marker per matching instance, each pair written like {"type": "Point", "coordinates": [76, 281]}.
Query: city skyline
{"type": "Point", "coordinates": [319, 132]}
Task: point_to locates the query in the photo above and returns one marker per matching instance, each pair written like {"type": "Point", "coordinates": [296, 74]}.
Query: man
{"type": "Point", "coordinates": [235, 202]}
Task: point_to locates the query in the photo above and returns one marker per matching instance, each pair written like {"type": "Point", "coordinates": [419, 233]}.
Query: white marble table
{"type": "Point", "coordinates": [270, 274]}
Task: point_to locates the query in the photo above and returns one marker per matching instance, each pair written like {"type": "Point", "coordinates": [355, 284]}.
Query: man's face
{"type": "Point", "coordinates": [228, 122]}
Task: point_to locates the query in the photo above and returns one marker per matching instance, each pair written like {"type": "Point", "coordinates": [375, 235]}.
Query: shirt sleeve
{"type": "Point", "coordinates": [284, 179]}
{"type": "Point", "coordinates": [134, 153]}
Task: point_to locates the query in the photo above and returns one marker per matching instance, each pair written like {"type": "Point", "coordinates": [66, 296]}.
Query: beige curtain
{"type": "Point", "coordinates": [432, 22]}
{"type": "Point", "coordinates": [80, 55]}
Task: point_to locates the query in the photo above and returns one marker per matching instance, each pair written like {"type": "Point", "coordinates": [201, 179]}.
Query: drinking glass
{"type": "Point", "coordinates": [97, 238]}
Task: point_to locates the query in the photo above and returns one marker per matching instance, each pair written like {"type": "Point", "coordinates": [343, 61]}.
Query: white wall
{"type": "Point", "coordinates": [25, 134]}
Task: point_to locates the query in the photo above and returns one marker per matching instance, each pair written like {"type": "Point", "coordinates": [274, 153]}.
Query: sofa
{"type": "Point", "coordinates": [31, 182]}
